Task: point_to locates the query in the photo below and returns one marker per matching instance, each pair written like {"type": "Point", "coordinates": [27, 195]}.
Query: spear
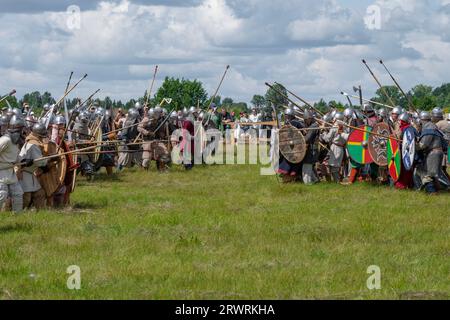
{"type": "Point", "coordinates": [302, 100]}
{"type": "Point", "coordinates": [383, 89]}
{"type": "Point", "coordinates": [215, 93]}
{"type": "Point", "coordinates": [320, 120]}
{"type": "Point", "coordinates": [66, 113]}
{"type": "Point", "coordinates": [149, 92]}
{"type": "Point", "coordinates": [8, 95]}
{"type": "Point", "coordinates": [408, 98]}
{"type": "Point", "coordinates": [367, 100]}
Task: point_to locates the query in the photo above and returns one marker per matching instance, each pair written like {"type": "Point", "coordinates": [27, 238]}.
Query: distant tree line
{"type": "Point", "coordinates": [188, 93]}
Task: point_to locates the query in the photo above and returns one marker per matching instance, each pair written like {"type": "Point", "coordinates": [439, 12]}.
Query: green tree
{"type": "Point", "coordinates": [442, 95]}
{"type": "Point", "coordinates": [394, 93]}
{"type": "Point", "coordinates": [258, 101]}
{"type": "Point", "coordinates": [184, 93]}
{"type": "Point", "coordinates": [10, 101]}
{"type": "Point", "coordinates": [322, 106]}
{"type": "Point", "coordinates": [423, 98]}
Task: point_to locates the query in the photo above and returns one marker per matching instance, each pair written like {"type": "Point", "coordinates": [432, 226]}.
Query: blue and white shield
{"type": "Point", "coordinates": [408, 148]}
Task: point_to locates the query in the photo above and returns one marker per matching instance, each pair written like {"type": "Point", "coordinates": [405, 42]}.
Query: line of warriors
{"type": "Point", "coordinates": [327, 157]}
{"type": "Point", "coordinates": [31, 176]}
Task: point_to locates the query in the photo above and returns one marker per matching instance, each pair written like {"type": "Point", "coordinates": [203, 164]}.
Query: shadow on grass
{"type": "Point", "coordinates": [16, 227]}
{"type": "Point", "coordinates": [88, 205]}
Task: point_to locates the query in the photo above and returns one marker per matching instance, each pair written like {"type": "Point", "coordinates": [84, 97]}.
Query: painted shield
{"type": "Point", "coordinates": [448, 156]}
{"type": "Point", "coordinates": [394, 159]}
{"type": "Point", "coordinates": [292, 144]}
{"type": "Point", "coordinates": [408, 148]}
{"type": "Point", "coordinates": [357, 145]}
{"type": "Point", "coordinates": [378, 143]}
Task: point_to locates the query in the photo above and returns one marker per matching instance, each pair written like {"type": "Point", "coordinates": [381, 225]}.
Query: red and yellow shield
{"type": "Point", "coordinates": [394, 158]}
{"type": "Point", "coordinates": [357, 145]}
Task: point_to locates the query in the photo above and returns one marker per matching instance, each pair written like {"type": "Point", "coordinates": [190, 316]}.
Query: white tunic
{"type": "Point", "coordinates": [337, 143]}
{"type": "Point", "coordinates": [29, 182]}
{"type": "Point", "coordinates": [8, 157]}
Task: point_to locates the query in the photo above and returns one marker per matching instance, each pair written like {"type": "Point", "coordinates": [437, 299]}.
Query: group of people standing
{"type": "Point", "coordinates": [327, 147]}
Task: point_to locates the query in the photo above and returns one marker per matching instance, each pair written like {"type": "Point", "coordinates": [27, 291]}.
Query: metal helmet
{"type": "Point", "coordinates": [425, 116]}
{"type": "Point", "coordinates": [349, 112]}
{"type": "Point", "coordinates": [17, 112]}
{"type": "Point", "coordinates": [333, 113]}
{"type": "Point", "coordinates": [30, 121]}
{"type": "Point", "coordinates": [174, 115]}
{"type": "Point", "coordinates": [307, 115]}
{"type": "Point", "coordinates": [404, 117]}
{"type": "Point", "coordinates": [158, 111]}
{"type": "Point", "coordinates": [39, 129]}
{"type": "Point", "coordinates": [100, 112]}
{"type": "Point", "coordinates": [16, 123]}
{"type": "Point", "coordinates": [83, 116]}
{"type": "Point", "coordinates": [164, 111]}
{"type": "Point", "coordinates": [59, 119]}
{"type": "Point", "coordinates": [4, 120]}
{"type": "Point", "coordinates": [186, 111]}
{"type": "Point", "coordinates": [382, 113]}
{"type": "Point", "coordinates": [289, 112]}
{"type": "Point", "coordinates": [437, 113]}
{"type": "Point", "coordinates": [133, 114]}
{"type": "Point", "coordinates": [108, 114]}
{"type": "Point", "coordinates": [138, 106]}
{"type": "Point", "coordinates": [46, 107]}
{"type": "Point", "coordinates": [448, 117]}
{"type": "Point", "coordinates": [192, 110]}
{"type": "Point", "coordinates": [151, 112]}
{"type": "Point", "coordinates": [327, 117]}
{"type": "Point", "coordinates": [397, 111]}
{"type": "Point", "coordinates": [367, 107]}
{"type": "Point", "coordinates": [201, 115]}
{"type": "Point", "coordinates": [339, 116]}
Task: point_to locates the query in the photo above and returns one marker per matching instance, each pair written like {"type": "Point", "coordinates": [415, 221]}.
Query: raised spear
{"type": "Point", "coordinates": [408, 98]}
{"type": "Point", "coordinates": [383, 89]}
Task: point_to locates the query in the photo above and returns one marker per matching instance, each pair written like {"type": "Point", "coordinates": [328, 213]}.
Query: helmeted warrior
{"type": "Point", "coordinates": [311, 138]}
{"type": "Point", "coordinates": [9, 152]}
{"type": "Point", "coordinates": [80, 134]}
{"type": "Point", "coordinates": [437, 116]}
{"type": "Point", "coordinates": [128, 151]}
{"type": "Point", "coordinates": [289, 171]}
{"type": "Point", "coordinates": [336, 139]}
{"type": "Point", "coordinates": [431, 145]}
{"type": "Point", "coordinates": [33, 149]}
{"type": "Point", "coordinates": [155, 132]}
{"type": "Point", "coordinates": [107, 159]}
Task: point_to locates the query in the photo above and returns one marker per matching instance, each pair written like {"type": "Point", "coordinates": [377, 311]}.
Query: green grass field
{"type": "Point", "coordinates": [225, 232]}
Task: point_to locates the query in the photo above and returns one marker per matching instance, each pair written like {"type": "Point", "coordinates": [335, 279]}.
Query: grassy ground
{"type": "Point", "coordinates": [225, 232]}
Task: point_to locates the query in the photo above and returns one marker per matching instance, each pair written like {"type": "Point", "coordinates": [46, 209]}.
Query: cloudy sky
{"type": "Point", "coordinates": [313, 47]}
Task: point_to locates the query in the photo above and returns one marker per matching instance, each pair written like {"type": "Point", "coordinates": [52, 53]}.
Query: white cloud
{"type": "Point", "coordinates": [315, 48]}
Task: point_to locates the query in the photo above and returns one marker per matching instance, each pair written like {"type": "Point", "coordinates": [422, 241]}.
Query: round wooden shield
{"type": "Point", "coordinates": [408, 148]}
{"type": "Point", "coordinates": [98, 138]}
{"type": "Point", "coordinates": [378, 143]}
{"type": "Point", "coordinates": [52, 180]}
{"type": "Point", "coordinates": [358, 145]}
{"type": "Point", "coordinates": [292, 144]}
{"type": "Point", "coordinates": [74, 173]}
{"type": "Point", "coordinates": [394, 159]}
